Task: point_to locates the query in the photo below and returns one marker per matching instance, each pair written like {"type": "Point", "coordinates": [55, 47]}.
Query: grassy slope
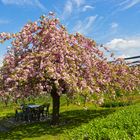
{"type": "Point", "coordinates": [72, 117]}
{"type": "Point", "coordinates": [123, 124]}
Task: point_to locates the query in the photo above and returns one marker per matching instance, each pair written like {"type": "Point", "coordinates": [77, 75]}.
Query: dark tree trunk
{"type": "Point", "coordinates": [56, 105]}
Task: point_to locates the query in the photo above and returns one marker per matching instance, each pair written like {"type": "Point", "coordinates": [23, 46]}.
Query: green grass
{"type": "Point", "coordinates": [73, 120]}
{"type": "Point", "coordinates": [69, 120]}
{"type": "Point", "coordinates": [123, 124]}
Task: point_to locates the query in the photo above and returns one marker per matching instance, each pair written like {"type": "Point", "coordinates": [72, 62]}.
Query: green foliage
{"type": "Point", "coordinates": [116, 104]}
{"type": "Point", "coordinates": [121, 99]}
{"type": "Point", "coordinates": [123, 124]}
{"type": "Point", "coordinates": [76, 120]}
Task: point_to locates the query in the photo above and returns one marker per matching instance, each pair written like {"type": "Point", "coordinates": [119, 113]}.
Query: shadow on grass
{"type": "Point", "coordinates": [68, 120]}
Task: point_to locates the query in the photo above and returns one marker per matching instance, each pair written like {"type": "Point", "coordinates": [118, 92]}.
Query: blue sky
{"type": "Point", "coordinates": [115, 23]}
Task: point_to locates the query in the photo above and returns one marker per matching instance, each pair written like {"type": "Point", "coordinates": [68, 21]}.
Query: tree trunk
{"type": "Point", "coordinates": [56, 106]}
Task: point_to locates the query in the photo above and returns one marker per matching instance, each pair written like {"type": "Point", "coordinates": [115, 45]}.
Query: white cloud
{"type": "Point", "coordinates": [124, 2]}
{"type": "Point", "coordinates": [40, 5]}
{"type": "Point", "coordinates": [2, 21]}
{"type": "Point", "coordinates": [79, 2]}
{"type": "Point", "coordinates": [36, 3]}
{"type": "Point", "coordinates": [114, 25]}
{"type": "Point", "coordinates": [113, 28]}
{"type": "Point", "coordinates": [125, 47]}
{"type": "Point", "coordinates": [87, 7]}
{"type": "Point", "coordinates": [128, 4]}
{"type": "Point", "coordinates": [67, 9]}
{"type": "Point", "coordinates": [86, 26]}
{"type": "Point", "coordinates": [16, 2]}
{"type": "Point", "coordinates": [123, 5]}
{"type": "Point", "coordinates": [70, 6]}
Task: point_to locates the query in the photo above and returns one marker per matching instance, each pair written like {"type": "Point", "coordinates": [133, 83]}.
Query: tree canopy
{"type": "Point", "coordinates": [44, 56]}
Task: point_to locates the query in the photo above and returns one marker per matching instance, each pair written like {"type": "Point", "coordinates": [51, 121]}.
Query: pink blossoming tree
{"type": "Point", "coordinates": [44, 56]}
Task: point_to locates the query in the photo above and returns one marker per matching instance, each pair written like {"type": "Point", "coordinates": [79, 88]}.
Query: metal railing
{"type": "Point", "coordinates": [136, 61]}
{"type": "Point", "coordinates": [134, 57]}
{"type": "Point", "coordinates": [133, 63]}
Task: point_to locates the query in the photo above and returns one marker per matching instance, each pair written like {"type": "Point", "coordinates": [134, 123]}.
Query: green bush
{"type": "Point", "coordinates": [123, 124]}
{"type": "Point", "coordinates": [116, 104]}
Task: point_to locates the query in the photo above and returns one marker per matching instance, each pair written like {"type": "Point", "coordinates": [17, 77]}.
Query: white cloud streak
{"type": "Point", "coordinates": [87, 7]}
{"type": "Point", "coordinates": [70, 6]}
{"type": "Point", "coordinates": [35, 3]}
{"type": "Point", "coordinates": [86, 26]}
{"type": "Point", "coordinates": [129, 4]}
{"type": "Point", "coordinates": [79, 2]}
{"type": "Point", "coordinates": [67, 9]}
{"type": "Point", "coordinates": [114, 25]}
{"type": "Point", "coordinates": [114, 28]}
{"type": "Point", "coordinates": [40, 5]}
